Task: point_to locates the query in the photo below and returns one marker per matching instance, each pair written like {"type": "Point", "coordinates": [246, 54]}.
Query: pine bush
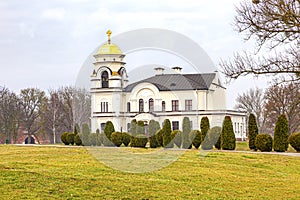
{"type": "Point", "coordinates": [281, 134]}
{"type": "Point", "coordinates": [186, 129]}
{"type": "Point", "coordinates": [264, 142]}
{"type": "Point", "coordinates": [125, 139]}
{"type": "Point", "coordinates": [195, 137]}
{"type": "Point", "coordinates": [108, 130]}
{"type": "Point", "coordinates": [176, 136]}
{"type": "Point", "coordinates": [228, 141]}
{"type": "Point", "coordinates": [93, 139]}
{"type": "Point", "coordinates": [167, 134]}
{"type": "Point", "coordinates": [116, 138]}
{"type": "Point", "coordinates": [214, 135]}
{"type": "Point", "coordinates": [153, 128]}
{"type": "Point", "coordinates": [133, 125]}
{"type": "Point", "coordinates": [204, 127]}
{"type": "Point", "coordinates": [140, 140]}
{"type": "Point", "coordinates": [294, 141]}
{"type": "Point", "coordinates": [159, 137]}
{"type": "Point", "coordinates": [63, 138]}
{"type": "Point", "coordinates": [85, 135]}
{"type": "Point", "coordinates": [252, 131]}
{"type": "Point", "coordinates": [70, 138]}
{"type": "Point", "coordinates": [77, 139]}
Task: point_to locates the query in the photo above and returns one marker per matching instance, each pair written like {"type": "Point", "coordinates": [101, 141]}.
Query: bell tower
{"type": "Point", "coordinates": [108, 80]}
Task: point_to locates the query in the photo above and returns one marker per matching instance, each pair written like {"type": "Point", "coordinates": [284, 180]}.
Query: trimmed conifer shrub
{"type": "Point", "coordinates": [140, 140]}
{"type": "Point", "coordinates": [70, 138]}
{"type": "Point", "coordinates": [195, 137]}
{"type": "Point", "coordinates": [101, 139]}
{"type": "Point", "coordinates": [167, 134]}
{"type": "Point", "coordinates": [76, 129]}
{"type": "Point", "coordinates": [228, 141]}
{"type": "Point", "coordinates": [63, 138]}
{"type": "Point", "coordinates": [140, 130]}
{"type": "Point", "coordinates": [108, 130]}
{"type": "Point", "coordinates": [204, 127]}
{"type": "Point", "coordinates": [77, 139]}
{"type": "Point", "coordinates": [176, 136]}
{"type": "Point", "coordinates": [294, 141]}
{"type": "Point", "coordinates": [264, 142]}
{"type": "Point", "coordinates": [159, 137]}
{"type": "Point", "coordinates": [153, 128]}
{"type": "Point", "coordinates": [211, 138]}
{"type": "Point", "coordinates": [125, 139]}
{"type": "Point", "coordinates": [186, 129]}
{"type": "Point", "coordinates": [133, 125]}
{"type": "Point", "coordinates": [281, 134]}
{"type": "Point", "coordinates": [214, 135]}
{"type": "Point", "coordinates": [117, 138]}
{"type": "Point", "coordinates": [252, 131]}
{"type": "Point", "coordinates": [98, 141]}
{"type": "Point", "coordinates": [85, 135]}
{"type": "Point", "coordinates": [93, 139]}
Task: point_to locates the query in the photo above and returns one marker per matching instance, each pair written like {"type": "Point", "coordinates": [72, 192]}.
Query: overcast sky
{"type": "Point", "coordinates": [44, 43]}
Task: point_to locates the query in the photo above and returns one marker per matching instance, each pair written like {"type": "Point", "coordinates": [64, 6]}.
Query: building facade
{"type": "Point", "coordinates": [162, 96]}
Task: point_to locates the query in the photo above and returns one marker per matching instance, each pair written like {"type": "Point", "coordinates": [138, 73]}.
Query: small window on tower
{"type": "Point", "coordinates": [104, 79]}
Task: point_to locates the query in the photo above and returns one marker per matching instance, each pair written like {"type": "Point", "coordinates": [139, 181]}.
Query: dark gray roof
{"type": "Point", "coordinates": [169, 82]}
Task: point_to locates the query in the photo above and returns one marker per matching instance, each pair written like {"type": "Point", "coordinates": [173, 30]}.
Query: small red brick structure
{"type": "Point", "coordinates": [22, 138]}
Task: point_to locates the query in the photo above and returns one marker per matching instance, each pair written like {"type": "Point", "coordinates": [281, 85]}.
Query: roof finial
{"type": "Point", "coordinates": [108, 35]}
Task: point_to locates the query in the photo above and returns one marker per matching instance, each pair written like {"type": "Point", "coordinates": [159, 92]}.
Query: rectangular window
{"type": "Point", "coordinates": [163, 106]}
{"type": "Point", "coordinates": [102, 127]}
{"type": "Point", "coordinates": [175, 105]}
{"type": "Point", "coordinates": [128, 106]}
{"type": "Point", "coordinates": [191, 125]}
{"type": "Point", "coordinates": [128, 127]}
{"type": "Point", "coordinates": [175, 125]}
{"type": "Point", "coordinates": [104, 106]}
{"type": "Point", "coordinates": [188, 104]}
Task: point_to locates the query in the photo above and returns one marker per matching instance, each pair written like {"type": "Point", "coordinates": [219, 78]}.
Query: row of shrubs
{"type": "Point", "coordinates": [264, 142]}
{"type": "Point", "coordinates": [205, 138]}
{"type": "Point", "coordinates": [281, 141]}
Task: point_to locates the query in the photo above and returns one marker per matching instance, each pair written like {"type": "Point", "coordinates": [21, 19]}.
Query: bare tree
{"type": "Point", "coordinates": [81, 106]}
{"type": "Point", "coordinates": [274, 24]}
{"type": "Point", "coordinates": [9, 114]}
{"type": "Point", "coordinates": [253, 102]}
{"type": "Point", "coordinates": [283, 99]}
{"type": "Point", "coordinates": [31, 102]}
{"type": "Point", "coordinates": [65, 94]}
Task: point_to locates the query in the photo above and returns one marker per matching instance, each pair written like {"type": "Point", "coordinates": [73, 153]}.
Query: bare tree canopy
{"type": "Point", "coordinates": [32, 101]}
{"type": "Point", "coordinates": [274, 24]}
{"type": "Point", "coordinates": [253, 102]}
{"type": "Point", "coordinates": [283, 99]}
{"type": "Point", "coordinates": [9, 114]}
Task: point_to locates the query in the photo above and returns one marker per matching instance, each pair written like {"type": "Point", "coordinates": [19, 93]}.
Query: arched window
{"type": "Point", "coordinates": [128, 106]}
{"type": "Point", "coordinates": [141, 105]}
{"type": "Point", "coordinates": [104, 79]}
{"type": "Point", "coordinates": [151, 105]}
{"type": "Point", "coordinates": [163, 106]}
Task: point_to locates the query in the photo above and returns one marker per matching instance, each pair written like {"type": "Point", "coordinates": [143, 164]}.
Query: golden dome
{"type": "Point", "coordinates": [109, 48]}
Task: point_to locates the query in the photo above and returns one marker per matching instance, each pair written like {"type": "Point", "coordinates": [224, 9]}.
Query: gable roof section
{"type": "Point", "coordinates": [170, 82]}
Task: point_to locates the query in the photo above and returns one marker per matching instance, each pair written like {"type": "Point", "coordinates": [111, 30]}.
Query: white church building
{"type": "Point", "coordinates": [162, 96]}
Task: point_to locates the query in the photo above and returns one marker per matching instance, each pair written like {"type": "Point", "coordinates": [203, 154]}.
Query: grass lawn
{"type": "Point", "coordinates": [73, 173]}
